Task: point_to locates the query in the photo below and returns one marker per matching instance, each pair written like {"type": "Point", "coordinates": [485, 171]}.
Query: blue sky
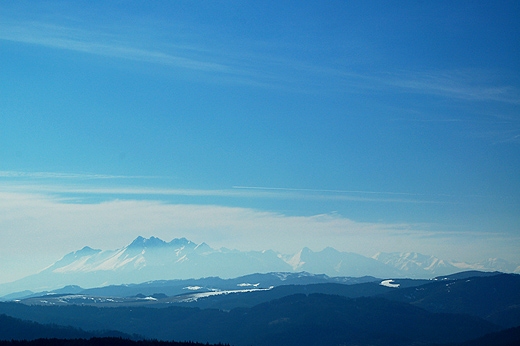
{"type": "Point", "coordinates": [366, 126]}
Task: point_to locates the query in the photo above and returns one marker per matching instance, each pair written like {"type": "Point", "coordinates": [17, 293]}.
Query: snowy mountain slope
{"type": "Point", "coordinates": [417, 265]}
{"type": "Point", "coordinates": [154, 259]}
{"type": "Point", "coordinates": [490, 264]}
{"type": "Point", "coordinates": [336, 263]}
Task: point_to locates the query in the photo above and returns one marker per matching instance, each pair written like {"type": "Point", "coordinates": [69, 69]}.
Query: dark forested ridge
{"type": "Point", "coordinates": [494, 298]}
{"type": "Point", "coordinates": [107, 341]}
{"type": "Point", "coordinates": [441, 312]}
{"type": "Point", "coordinates": [508, 337]}
{"type": "Point", "coordinates": [14, 331]}
{"type": "Point", "coordinates": [314, 319]}
{"type": "Point", "coordinates": [17, 329]}
{"type": "Point", "coordinates": [14, 328]}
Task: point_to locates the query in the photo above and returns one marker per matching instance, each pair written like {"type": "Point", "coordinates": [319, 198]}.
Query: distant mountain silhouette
{"type": "Point", "coordinates": [154, 259]}
{"type": "Point", "coordinates": [178, 287]}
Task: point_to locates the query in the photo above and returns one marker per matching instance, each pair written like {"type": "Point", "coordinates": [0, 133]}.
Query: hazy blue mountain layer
{"type": "Point", "coordinates": [154, 259]}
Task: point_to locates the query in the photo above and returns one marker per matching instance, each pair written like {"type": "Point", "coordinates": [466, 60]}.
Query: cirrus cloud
{"type": "Point", "coordinates": [47, 227]}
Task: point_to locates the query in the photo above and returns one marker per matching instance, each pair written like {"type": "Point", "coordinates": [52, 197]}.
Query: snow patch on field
{"type": "Point", "coordinates": [389, 283]}
{"type": "Point", "coordinates": [197, 296]}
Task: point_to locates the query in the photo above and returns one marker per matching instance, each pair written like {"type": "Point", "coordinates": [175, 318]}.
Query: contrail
{"type": "Point", "coordinates": [326, 190]}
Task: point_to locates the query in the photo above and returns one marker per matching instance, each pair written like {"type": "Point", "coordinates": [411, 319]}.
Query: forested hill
{"type": "Point", "coordinates": [101, 342]}
{"type": "Point", "coordinates": [16, 332]}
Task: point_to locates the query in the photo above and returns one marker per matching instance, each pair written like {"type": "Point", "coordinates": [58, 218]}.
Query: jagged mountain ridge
{"type": "Point", "coordinates": [140, 253]}
{"type": "Point", "coordinates": [183, 259]}
{"type": "Point", "coordinates": [154, 259]}
{"type": "Point", "coordinates": [416, 264]}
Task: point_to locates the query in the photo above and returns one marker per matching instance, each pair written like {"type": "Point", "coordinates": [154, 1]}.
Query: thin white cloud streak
{"type": "Point", "coordinates": [466, 85]}
{"type": "Point", "coordinates": [325, 190]}
{"type": "Point", "coordinates": [238, 68]}
{"type": "Point", "coordinates": [38, 226]}
{"type": "Point", "coordinates": [243, 67]}
{"type": "Point", "coordinates": [469, 85]}
{"type": "Point", "coordinates": [233, 69]}
{"type": "Point", "coordinates": [58, 175]}
{"type": "Point", "coordinates": [17, 181]}
{"type": "Point", "coordinates": [236, 192]}
{"type": "Point", "coordinates": [74, 39]}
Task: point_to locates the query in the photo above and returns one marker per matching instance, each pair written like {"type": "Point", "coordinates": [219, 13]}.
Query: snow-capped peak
{"type": "Point", "coordinates": [154, 259]}
{"type": "Point", "coordinates": [141, 242]}
{"type": "Point", "coordinates": [414, 263]}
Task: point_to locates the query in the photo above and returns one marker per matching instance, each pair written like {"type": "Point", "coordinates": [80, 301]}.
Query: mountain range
{"type": "Point", "coordinates": [148, 259]}
{"type": "Point", "coordinates": [285, 309]}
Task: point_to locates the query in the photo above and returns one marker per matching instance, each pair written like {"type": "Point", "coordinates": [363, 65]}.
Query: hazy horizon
{"type": "Point", "coordinates": [368, 127]}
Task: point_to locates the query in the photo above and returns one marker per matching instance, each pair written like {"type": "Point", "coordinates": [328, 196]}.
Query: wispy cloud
{"type": "Point", "coordinates": [41, 219]}
{"type": "Point", "coordinates": [323, 190]}
{"type": "Point", "coordinates": [60, 175]}
{"type": "Point", "coordinates": [467, 85]}
{"type": "Point", "coordinates": [295, 194]}
{"type": "Point", "coordinates": [46, 222]}
{"type": "Point", "coordinates": [353, 195]}
{"type": "Point", "coordinates": [82, 184]}
{"type": "Point", "coordinates": [104, 44]}
{"type": "Point", "coordinates": [254, 67]}
{"type": "Point", "coordinates": [239, 67]}
{"type": "Point", "coordinates": [49, 228]}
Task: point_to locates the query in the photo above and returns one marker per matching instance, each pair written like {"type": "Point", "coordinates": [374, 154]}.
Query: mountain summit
{"type": "Point", "coordinates": [154, 242]}
{"type": "Point", "coordinates": [141, 242]}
